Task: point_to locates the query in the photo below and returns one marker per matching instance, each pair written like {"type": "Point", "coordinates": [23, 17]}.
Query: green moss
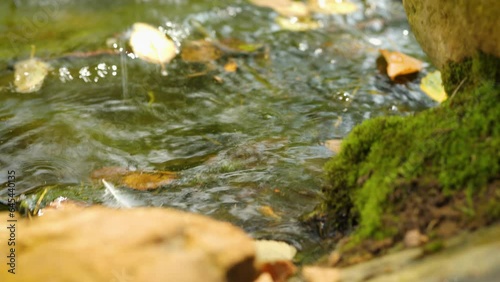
{"type": "Point", "coordinates": [453, 147]}
{"type": "Point", "coordinates": [433, 246]}
{"type": "Point", "coordinates": [470, 72]}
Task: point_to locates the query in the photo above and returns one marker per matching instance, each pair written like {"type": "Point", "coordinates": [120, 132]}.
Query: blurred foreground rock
{"type": "Point", "coordinates": [471, 257]}
{"type": "Point", "coordinates": [143, 244]}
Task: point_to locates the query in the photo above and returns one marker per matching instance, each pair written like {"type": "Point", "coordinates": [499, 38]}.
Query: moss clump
{"type": "Point", "coordinates": [450, 153]}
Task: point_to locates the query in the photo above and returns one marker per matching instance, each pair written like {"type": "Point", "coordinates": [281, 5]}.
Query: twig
{"type": "Point", "coordinates": [458, 87]}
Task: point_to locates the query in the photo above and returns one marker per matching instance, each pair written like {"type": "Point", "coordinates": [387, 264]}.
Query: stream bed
{"type": "Point", "coordinates": [247, 146]}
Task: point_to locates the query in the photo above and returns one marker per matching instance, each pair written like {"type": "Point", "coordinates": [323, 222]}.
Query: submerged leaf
{"type": "Point", "coordinates": [29, 75]}
{"type": "Point", "coordinates": [332, 7]}
{"type": "Point", "coordinates": [432, 85]}
{"type": "Point", "coordinates": [268, 212]}
{"type": "Point", "coordinates": [148, 180]}
{"type": "Point", "coordinates": [150, 44]}
{"type": "Point", "coordinates": [200, 51]}
{"type": "Point", "coordinates": [296, 24]}
{"type": "Point", "coordinates": [400, 64]}
{"type": "Point", "coordinates": [286, 8]}
{"type": "Point", "coordinates": [234, 46]}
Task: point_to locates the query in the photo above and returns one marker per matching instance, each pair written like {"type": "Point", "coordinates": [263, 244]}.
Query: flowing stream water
{"type": "Point", "coordinates": [242, 142]}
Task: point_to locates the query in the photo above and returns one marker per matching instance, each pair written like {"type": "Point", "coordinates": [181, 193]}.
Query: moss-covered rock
{"type": "Point", "coordinates": [437, 171]}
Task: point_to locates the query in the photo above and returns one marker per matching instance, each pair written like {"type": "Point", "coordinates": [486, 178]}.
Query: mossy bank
{"type": "Point", "coordinates": [434, 169]}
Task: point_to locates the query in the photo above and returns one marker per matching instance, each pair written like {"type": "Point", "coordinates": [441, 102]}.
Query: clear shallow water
{"type": "Point", "coordinates": [253, 140]}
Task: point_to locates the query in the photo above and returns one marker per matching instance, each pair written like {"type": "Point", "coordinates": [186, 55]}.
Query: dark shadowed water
{"type": "Point", "coordinates": [251, 141]}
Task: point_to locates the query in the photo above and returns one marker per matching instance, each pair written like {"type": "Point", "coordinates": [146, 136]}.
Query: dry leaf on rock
{"type": "Point", "coordinates": [400, 64]}
{"type": "Point", "coordinates": [332, 7]}
{"type": "Point", "coordinates": [30, 74]}
{"type": "Point", "coordinates": [150, 44]}
{"type": "Point", "coordinates": [432, 85]}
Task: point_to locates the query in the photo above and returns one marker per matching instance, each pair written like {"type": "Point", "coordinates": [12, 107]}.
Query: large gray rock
{"type": "Point", "coordinates": [144, 244]}
{"type": "Point", "coordinates": [453, 30]}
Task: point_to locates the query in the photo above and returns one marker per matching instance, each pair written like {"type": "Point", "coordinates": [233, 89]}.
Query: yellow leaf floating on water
{"type": "Point", "coordinates": [150, 44]}
{"type": "Point", "coordinates": [400, 64]}
{"type": "Point", "coordinates": [29, 75]}
{"type": "Point", "coordinates": [432, 85]}
{"type": "Point", "coordinates": [296, 24]}
{"type": "Point", "coordinates": [286, 8]}
{"type": "Point", "coordinates": [332, 7]}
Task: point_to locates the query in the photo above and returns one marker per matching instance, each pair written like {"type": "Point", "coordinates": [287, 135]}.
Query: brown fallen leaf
{"type": "Point", "coordinates": [148, 180]}
{"type": "Point", "coordinates": [400, 64]}
{"type": "Point", "coordinates": [138, 180]}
